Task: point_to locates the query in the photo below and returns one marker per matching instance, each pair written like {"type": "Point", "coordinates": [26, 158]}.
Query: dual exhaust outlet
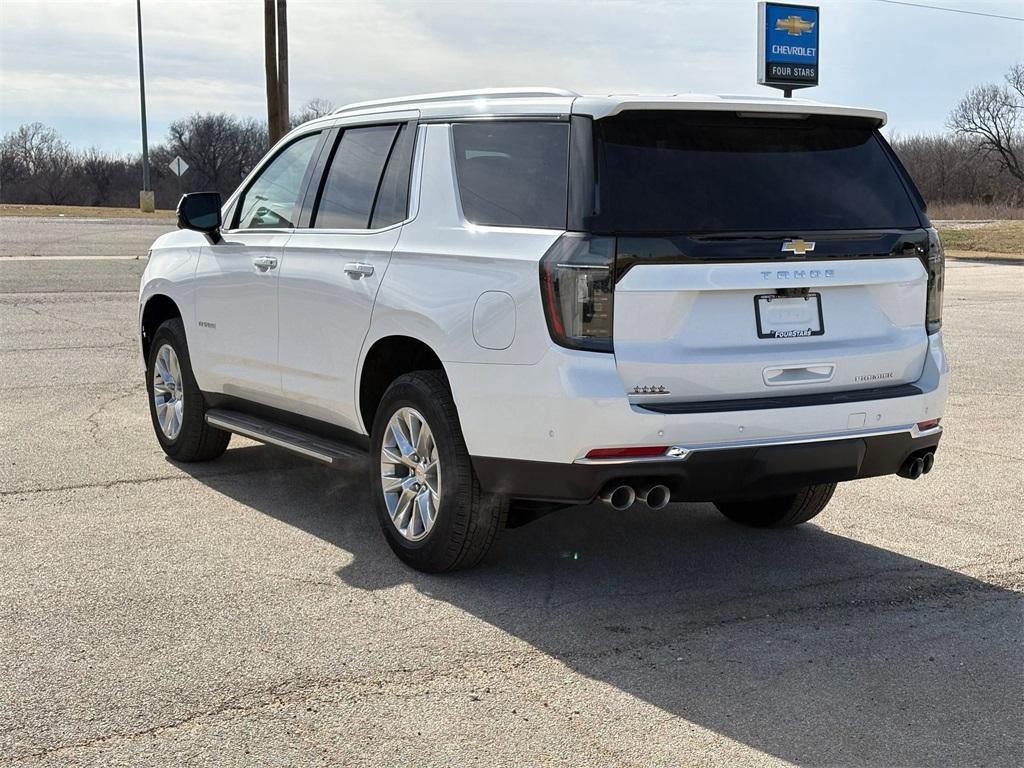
{"type": "Point", "coordinates": [622, 497]}
{"type": "Point", "coordinates": [916, 466]}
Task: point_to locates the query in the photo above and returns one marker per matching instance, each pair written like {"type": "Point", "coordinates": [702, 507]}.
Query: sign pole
{"type": "Point", "coordinates": [178, 168]}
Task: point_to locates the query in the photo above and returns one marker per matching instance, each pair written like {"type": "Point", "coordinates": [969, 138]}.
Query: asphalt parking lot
{"type": "Point", "coordinates": [248, 612]}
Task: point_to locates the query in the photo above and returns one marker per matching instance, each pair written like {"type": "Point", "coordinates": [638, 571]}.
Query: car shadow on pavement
{"type": "Point", "coordinates": [807, 645]}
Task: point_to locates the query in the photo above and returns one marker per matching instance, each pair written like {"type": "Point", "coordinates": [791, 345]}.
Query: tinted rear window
{"type": "Point", "coordinates": [694, 172]}
{"type": "Point", "coordinates": [350, 186]}
{"type": "Point", "coordinates": [513, 174]}
{"type": "Point", "coordinates": [393, 196]}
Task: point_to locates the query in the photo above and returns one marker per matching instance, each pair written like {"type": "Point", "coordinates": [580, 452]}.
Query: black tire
{"type": "Point", "coordinates": [196, 440]}
{"type": "Point", "coordinates": [467, 519]}
{"type": "Point", "coordinates": [779, 511]}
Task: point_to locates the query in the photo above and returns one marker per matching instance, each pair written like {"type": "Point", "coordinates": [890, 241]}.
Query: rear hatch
{"type": "Point", "coordinates": [758, 256]}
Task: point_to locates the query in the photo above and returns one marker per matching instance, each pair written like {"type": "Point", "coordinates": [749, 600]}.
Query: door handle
{"type": "Point", "coordinates": [263, 263]}
{"type": "Point", "coordinates": [358, 269]}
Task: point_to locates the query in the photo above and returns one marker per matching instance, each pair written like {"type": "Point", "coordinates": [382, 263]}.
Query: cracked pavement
{"type": "Point", "coordinates": [248, 612]}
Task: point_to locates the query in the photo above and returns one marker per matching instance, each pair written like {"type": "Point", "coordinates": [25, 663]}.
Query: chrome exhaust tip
{"type": "Point", "coordinates": [655, 496]}
{"type": "Point", "coordinates": [619, 497]}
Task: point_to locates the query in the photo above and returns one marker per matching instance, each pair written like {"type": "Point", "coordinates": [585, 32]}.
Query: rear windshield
{"type": "Point", "coordinates": [705, 172]}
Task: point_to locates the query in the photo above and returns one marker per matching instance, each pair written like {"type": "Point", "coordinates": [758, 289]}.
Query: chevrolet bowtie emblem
{"type": "Point", "coordinates": [794, 25]}
{"type": "Point", "coordinates": [797, 247]}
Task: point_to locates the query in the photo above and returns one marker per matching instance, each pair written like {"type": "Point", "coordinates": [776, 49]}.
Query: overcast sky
{"type": "Point", "coordinates": [73, 64]}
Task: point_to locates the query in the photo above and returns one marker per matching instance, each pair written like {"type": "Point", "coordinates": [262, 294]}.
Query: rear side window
{"type": "Point", "coordinates": [693, 172]}
{"type": "Point", "coordinates": [353, 176]}
{"type": "Point", "coordinates": [513, 174]}
{"type": "Point", "coordinates": [393, 198]}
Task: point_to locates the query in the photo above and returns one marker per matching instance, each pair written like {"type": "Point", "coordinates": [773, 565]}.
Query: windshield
{"type": "Point", "coordinates": [721, 172]}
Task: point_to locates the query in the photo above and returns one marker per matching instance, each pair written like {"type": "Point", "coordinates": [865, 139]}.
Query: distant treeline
{"type": "Point", "coordinates": [38, 166]}
{"type": "Point", "coordinates": [951, 169]}
{"type": "Point", "coordinates": [979, 162]}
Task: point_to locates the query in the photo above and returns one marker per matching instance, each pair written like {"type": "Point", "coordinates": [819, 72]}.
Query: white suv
{"type": "Point", "coordinates": [516, 300]}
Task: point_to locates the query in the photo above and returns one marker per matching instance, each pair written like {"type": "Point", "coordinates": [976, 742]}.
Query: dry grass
{"type": "Point", "coordinates": [938, 211]}
{"type": "Point", "coordinates": [80, 211]}
{"type": "Point", "coordinates": [996, 239]}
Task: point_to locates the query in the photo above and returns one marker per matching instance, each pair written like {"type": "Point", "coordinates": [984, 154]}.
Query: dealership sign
{"type": "Point", "coordinates": [787, 45]}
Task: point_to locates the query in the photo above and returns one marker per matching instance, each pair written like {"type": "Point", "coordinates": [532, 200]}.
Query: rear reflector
{"type": "Point", "coordinates": [924, 426]}
{"type": "Point", "coordinates": [645, 451]}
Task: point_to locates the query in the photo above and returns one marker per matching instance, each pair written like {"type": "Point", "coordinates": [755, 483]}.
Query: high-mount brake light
{"type": "Point", "coordinates": [577, 285]}
{"type": "Point", "coordinates": [638, 452]}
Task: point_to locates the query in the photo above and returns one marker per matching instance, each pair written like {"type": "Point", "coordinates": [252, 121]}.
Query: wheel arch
{"type": "Point", "coordinates": [158, 309]}
{"type": "Point", "coordinates": [388, 358]}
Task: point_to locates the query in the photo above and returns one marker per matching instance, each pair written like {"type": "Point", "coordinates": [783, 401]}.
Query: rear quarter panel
{"type": "Point", "coordinates": [443, 264]}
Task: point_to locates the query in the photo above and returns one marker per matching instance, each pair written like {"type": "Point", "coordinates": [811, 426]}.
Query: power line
{"type": "Point", "coordinates": [951, 10]}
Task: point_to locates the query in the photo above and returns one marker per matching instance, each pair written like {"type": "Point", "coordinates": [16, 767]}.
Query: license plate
{"type": "Point", "coordinates": [788, 317]}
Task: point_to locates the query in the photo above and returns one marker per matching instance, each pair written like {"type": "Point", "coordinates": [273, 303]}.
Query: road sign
{"type": "Point", "coordinates": [178, 165]}
{"type": "Point", "coordinates": [787, 45]}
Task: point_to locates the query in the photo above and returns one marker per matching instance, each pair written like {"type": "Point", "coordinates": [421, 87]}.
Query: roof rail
{"type": "Point", "coordinates": [504, 93]}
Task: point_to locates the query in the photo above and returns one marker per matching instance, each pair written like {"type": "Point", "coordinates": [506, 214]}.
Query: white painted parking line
{"type": "Point", "coordinates": [70, 258]}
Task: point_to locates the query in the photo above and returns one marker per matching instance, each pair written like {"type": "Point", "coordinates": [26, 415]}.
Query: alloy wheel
{"type": "Point", "coordinates": [168, 391]}
{"type": "Point", "coordinates": [410, 474]}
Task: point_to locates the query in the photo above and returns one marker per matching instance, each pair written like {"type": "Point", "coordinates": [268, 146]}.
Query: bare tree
{"type": "Point", "coordinates": [219, 149]}
{"type": "Point", "coordinates": [99, 172]}
{"type": "Point", "coordinates": [994, 115]}
{"type": "Point", "coordinates": [311, 110]}
{"type": "Point", "coordinates": [38, 154]}
{"type": "Point", "coordinates": [12, 169]}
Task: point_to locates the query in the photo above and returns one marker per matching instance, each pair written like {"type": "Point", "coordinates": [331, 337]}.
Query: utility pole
{"type": "Point", "coordinates": [282, 67]}
{"type": "Point", "coordinates": [275, 49]}
{"type": "Point", "coordinates": [270, 62]}
{"type": "Point", "coordinates": [147, 202]}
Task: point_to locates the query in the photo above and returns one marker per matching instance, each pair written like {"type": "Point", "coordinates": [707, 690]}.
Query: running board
{"type": "Point", "coordinates": [316, 447]}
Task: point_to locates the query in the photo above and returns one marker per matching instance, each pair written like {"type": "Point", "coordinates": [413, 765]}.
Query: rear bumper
{"type": "Point", "coordinates": [529, 428]}
{"type": "Point", "coordinates": [710, 474]}
{"type": "Point", "coordinates": [569, 403]}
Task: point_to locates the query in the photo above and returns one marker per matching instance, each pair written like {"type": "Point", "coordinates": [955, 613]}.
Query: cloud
{"type": "Point", "coordinates": [74, 64]}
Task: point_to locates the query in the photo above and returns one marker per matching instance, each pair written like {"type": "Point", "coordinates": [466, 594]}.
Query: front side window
{"type": "Point", "coordinates": [353, 176]}
{"type": "Point", "coordinates": [513, 173]}
{"type": "Point", "coordinates": [272, 200]}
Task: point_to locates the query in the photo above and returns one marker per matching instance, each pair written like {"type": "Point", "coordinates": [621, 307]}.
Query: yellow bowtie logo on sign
{"type": "Point", "coordinates": [794, 25]}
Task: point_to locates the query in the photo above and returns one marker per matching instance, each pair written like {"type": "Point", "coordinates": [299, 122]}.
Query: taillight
{"type": "Point", "coordinates": [936, 266]}
{"type": "Point", "coordinates": [577, 288]}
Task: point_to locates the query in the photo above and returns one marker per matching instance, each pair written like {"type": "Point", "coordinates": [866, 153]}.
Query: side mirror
{"type": "Point", "coordinates": [200, 211]}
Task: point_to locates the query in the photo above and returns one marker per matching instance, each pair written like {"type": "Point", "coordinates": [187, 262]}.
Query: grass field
{"type": "Point", "coordinates": [973, 211]}
{"type": "Point", "coordinates": [983, 239]}
{"type": "Point", "coordinates": [80, 211]}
